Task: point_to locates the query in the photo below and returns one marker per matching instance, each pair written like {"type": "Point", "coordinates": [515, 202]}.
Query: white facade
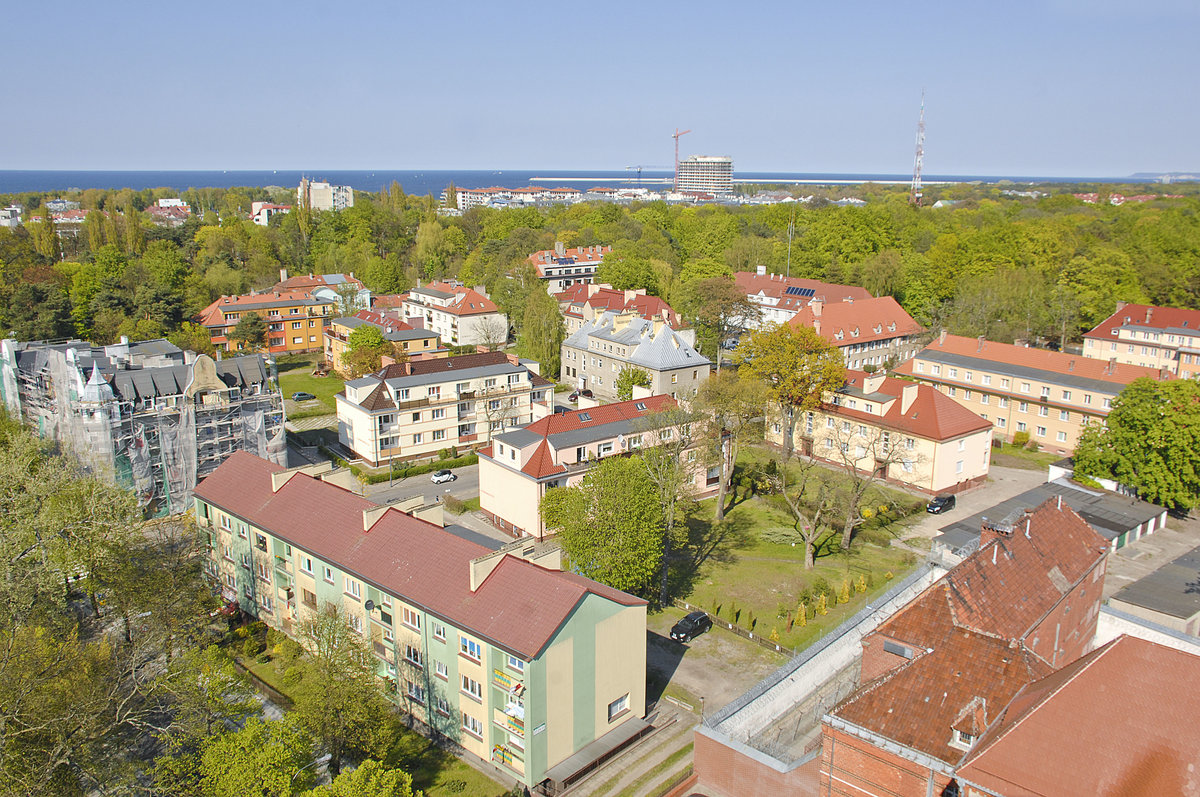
{"type": "Point", "coordinates": [708, 173]}
{"type": "Point", "coordinates": [323, 196]}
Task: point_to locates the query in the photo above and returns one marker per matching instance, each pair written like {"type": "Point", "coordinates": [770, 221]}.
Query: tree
{"type": "Point", "coordinates": [193, 337]}
{"type": "Point", "coordinates": [250, 330]}
{"type": "Point", "coordinates": [1150, 441]}
{"type": "Point", "coordinates": [666, 440]}
{"type": "Point", "coordinates": [627, 378]}
{"type": "Point", "coordinates": [268, 758]}
{"type": "Point", "coordinates": [492, 331]}
{"type": "Point", "coordinates": [720, 309]}
{"type": "Point", "coordinates": [807, 492]}
{"type": "Point", "coordinates": [866, 454]}
{"type": "Point", "coordinates": [365, 348]}
{"type": "Point", "coordinates": [733, 407]}
{"type": "Point", "coordinates": [338, 700]}
{"type": "Point", "coordinates": [610, 526]}
{"type": "Point", "coordinates": [206, 696]}
{"type": "Point", "coordinates": [798, 367]}
{"type": "Point", "coordinates": [348, 300]}
{"type": "Point", "coordinates": [542, 332]}
{"type": "Point", "coordinates": [369, 780]}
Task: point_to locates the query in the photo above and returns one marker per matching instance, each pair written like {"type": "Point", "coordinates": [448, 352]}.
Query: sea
{"type": "Point", "coordinates": [435, 181]}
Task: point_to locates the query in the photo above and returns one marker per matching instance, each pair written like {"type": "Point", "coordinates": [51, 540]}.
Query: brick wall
{"type": "Point", "coordinates": [722, 771]}
{"type": "Point", "coordinates": [853, 767]}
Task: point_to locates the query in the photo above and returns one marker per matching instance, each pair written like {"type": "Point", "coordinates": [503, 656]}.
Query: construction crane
{"type": "Point", "coordinates": [915, 193]}
{"type": "Point", "coordinates": [676, 137]}
{"type": "Point", "coordinates": [639, 169]}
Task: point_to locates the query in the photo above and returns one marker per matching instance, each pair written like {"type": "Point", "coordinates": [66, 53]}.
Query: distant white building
{"type": "Point", "coordinates": [706, 174]}
{"type": "Point", "coordinates": [172, 202]}
{"type": "Point", "coordinates": [561, 267]}
{"type": "Point", "coordinates": [10, 216]}
{"type": "Point", "coordinates": [323, 196]}
{"type": "Point", "coordinates": [261, 212]}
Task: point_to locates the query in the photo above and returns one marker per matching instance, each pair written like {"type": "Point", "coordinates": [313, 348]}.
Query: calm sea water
{"type": "Point", "coordinates": [435, 181]}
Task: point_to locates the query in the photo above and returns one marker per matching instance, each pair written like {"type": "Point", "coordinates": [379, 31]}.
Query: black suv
{"type": "Point", "coordinates": [690, 627]}
{"type": "Point", "coordinates": [940, 504]}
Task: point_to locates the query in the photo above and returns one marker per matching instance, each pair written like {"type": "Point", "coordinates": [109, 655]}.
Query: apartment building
{"type": "Point", "coordinates": [519, 663]}
{"type": "Point", "coordinates": [317, 195]}
{"type": "Point", "coordinates": [868, 332]}
{"type": "Point", "coordinates": [147, 414]}
{"type": "Point", "coordinates": [584, 302]}
{"type": "Point", "coordinates": [1152, 337]}
{"type": "Point", "coordinates": [295, 320]}
{"type": "Point", "coordinates": [262, 212]}
{"type": "Point", "coordinates": [1024, 605]}
{"type": "Point", "coordinates": [558, 451]}
{"type": "Point", "coordinates": [416, 343]}
{"type": "Point", "coordinates": [907, 433]}
{"type": "Point", "coordinates": [459, 315]}
{"type": "Point", "coordinates": [780, 297]}
{"type": "Point", "coordinates": [709, 174]}
{"type": "Point", "coordinates": [596, 354]}
{"type": "Point", "coordinates": [1050, 395]}
{"type": "Point", "coordinates": [415, 409]}
{"type": "Point", "coordinates": [561, 267]}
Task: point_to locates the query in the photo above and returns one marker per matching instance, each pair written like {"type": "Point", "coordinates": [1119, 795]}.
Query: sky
{"type": "Point", "coordinates": [1066, 88]}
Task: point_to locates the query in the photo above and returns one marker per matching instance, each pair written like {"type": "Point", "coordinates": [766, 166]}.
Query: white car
{"type": "Point", "coordinates": [443, 476]}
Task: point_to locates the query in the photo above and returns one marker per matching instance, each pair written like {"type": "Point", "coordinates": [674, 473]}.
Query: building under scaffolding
{"type": "Point", "coordinates": [152, 416]}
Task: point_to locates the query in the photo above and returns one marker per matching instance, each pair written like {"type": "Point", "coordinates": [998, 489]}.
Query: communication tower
{"type": "Point", "coordinates": [919, 161]}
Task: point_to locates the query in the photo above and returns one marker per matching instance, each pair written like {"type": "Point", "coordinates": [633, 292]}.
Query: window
{"type": "Point", "coordinates": [962, 738]}
{"type": "Point", "coordinates": [1108, 404]}
{"type": "Point", "coordinates": [412, 655]}
{"type": "Point", "coordinates": [920, 367]}
{"type": "Point", "coordinates": [1063, 415]}
{"type": "Point", "coordinates": [411, 619]}
{"type": "Point", "coordinates": [951, 391]}
{"type": "Point", "coordinates": [1024, 387]}
{"type": "Point", "coordinates": [264, 572]}
{"type": "Point", "coordinates": [618, 707]}
{"type": "Point", "coordinates": [910, 443]}
{"type": "Point", "coordinates": [416, 692]}
{"type": "Point", "coordinates": [472, 687]}
{"type": "Point", "coordinates": [306, 564]}
{"type": "Point", "coordinates": [328, 573]}
{"type": "Point", "coordinates": [1043, 412]}
{"type": "Point", "coordinates": [829, 423]}
{"type": "Point", "coordinates": [962, 445]}
{"type": "Point", "coordinates": [1061, 437]}
{"type": "Point", "coordinates": [438, 414]}
{"type": "Point", "coordinates": [516, 664]}
{"type": "Point", "coordinates": [907, 465]}
{"type": "Point", "coordinates": [987, 379]}
{"type": "Point", "coordinates": [1004, 383]}
{"type": "Point", "coordinates": [958, 466]}
{"type": "Point", "coordinates": [355, 622]}
{"type": "Point", "coordinates": [1087, 398]}
{"type": "Point", "coordinates": [937, 370]}
{"type": "Point", "coordinates": [897, 649]}
{"type": "Point", "coordinates": [435, 392]}
{"type": "Point", "coordinates": [389, 635]}
{"type": "Point", "coordinates": [984, 398]}
{"type": "Point", "coordinates": [353, 588]}
{"type": "Point", "coordinates": [441, 670]}
{"type": "Point", "coordinates": [472, 725]}
{"type": "Point", "coordinates": [442, 706]}
{"type": "Point", "coordinates": [1045, 392]}
{"type": "Point", "coordinates": [1003, 401]}
{"type": "Point", "coordinates": [297, 324]}
{"type": "Point", "coordinates": [1041, 431]}
{"type": "Point", "coordinates": [1022, 406]}
{"type": "Point", "coordinates": [967, 376]}
{"type": "Point", "coordinates": [469, 648]}
{"type": "Point", "coordinates": [416, 438]}
{"type": "Point", "coordinates": [674, 378]}
{"type": "Point", "coordinates": [439, 434]}
{"type": "Point", "coordinates": [954, 373]}
{"type": "Point", "coordinates": [298, 341]}
{"type": "Point", "coordinates": [1002, 422]}
{"type": "Point", "coordinates": [1066, 394]}
{"type": "Point", "coordinates": [1021, 426]}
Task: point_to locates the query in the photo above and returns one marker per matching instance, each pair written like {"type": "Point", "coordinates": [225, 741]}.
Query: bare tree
{"type": "Point", "coordinates": [733, 408]}
{"type": "Point", "coordinates": [866, 455]}
{"type": "Point", "coordinates": [666, 439]}
{"type": "Point", "coordinates": [492, 332]}
{"type": "Point", "coordinates": [808, 492]}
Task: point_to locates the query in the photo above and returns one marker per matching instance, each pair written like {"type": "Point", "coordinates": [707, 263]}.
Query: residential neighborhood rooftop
{"type": "Point", "coordinates": [1172, 589]}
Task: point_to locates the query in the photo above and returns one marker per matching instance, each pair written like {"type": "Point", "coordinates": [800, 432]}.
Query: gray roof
{"type": "Point", "coordinates": [441, 377]}
{"type": "Point", "coordinates": [158, 346]}
{"type": "Point", "coordinates": [665, 350]}
{"type": "Point", "coordinates": [1111, 515]}
{"type": "Point", "coordinates": [589, 434]}
{"type": "Point", "coordinates": [432, 292]}
{"type": "Point", "coordinates": [517, 438]}
{"type": "Point", "coordinates": [1173, 589]}
{"type": "Point", "coordinates": [170, 380]}
{"type": "Point", "coordinates": [388, 333]}
{"type": "Point", "coordinates": [1023, 372]}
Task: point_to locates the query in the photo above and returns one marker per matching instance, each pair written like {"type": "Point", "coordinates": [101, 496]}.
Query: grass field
{"type": "Point", "coordinates": [295, 376]}
{"type": "Point", "coordinates": [1010, 456]}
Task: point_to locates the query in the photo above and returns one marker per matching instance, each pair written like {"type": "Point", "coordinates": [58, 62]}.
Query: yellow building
{"type": "Point", "coordinates": [1049, 395]}
{"type": "Point", "coordinates": [1152, 337]}
{"type": "Point", "coordinates": [534, 669]}
{"type": "Point", "coordinates": [905, 432]}
{"type": "Point", "coordinates": [415, 343]}
{"type": "Point", "coordinates": [295, 320]}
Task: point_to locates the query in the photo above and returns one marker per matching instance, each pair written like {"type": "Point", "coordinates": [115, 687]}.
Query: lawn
{"type": "Point", "coordinates": [1010, 456]}
{"type": "Point", "coordinates": [735, 572]}
{"type": "Point", "coordinates": [295, 376]}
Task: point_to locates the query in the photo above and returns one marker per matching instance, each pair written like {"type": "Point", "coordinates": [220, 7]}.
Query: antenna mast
{"type": "Point", "coordinates": [915, 193]}
{"type": "Point", "coordinates": [676, 137]}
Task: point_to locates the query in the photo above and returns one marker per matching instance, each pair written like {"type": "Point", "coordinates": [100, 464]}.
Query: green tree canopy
{"type": "Point", "coordinates": [371, 779]}
{"type": "Point", "coordinates": [250, 330]}
{"type": "Point", "coordinates": [610, 526]}
{"type": "Point", "coordinates": [542, 332]}
{"type": "Point", "coordinates": [1150, 441]}
{"type": "Point", "coordinates": [630, 376]}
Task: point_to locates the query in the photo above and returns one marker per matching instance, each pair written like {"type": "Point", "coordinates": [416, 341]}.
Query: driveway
{"type": "Point", "coordinates": [1002, 484]}
{"type": "Point", "coordinates": [464, 487]}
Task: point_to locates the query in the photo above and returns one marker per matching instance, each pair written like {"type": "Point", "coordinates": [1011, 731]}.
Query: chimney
{"type": "Point", "coordinates": [817, 305]}
{"type": "Point", "coordinates": [942, 337]}
{"type": "Point", "coordinates": [560, 248]}
{"type": "Point", "coordinates": [1112, 366]}
{"type": "Point", "coordinates": [658, 324]}
{"type": "Point", "coordinates": [1149, 313]}
{"type": "Point", "coordinates": [1120, 306]}
{"type": "Point", "coordinates": [1004, 528]}
{"type": "Point", "coordinates": [283, 275]}
{"type": "Point", "coordinates": [1071, 365]}
{"type": "Point", "coordinates": [761, 271]}
{"type": "Point", "coordinates": [873, 382]}
{"type": "Point", "coordinates": [907, 396]}
{"type": "Point", "coordinates": [980, 340]}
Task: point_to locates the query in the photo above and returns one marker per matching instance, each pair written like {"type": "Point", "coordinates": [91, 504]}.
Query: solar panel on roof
{"type": "Point", "coordinates": [792, 290]}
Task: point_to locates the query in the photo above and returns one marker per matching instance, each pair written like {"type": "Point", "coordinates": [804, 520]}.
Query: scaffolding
{"type": "Point", "coordinates": [152, 417]}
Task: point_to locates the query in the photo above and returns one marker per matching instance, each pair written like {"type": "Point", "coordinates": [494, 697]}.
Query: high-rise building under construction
{"type": "Point", "coordinates": [708, 174]}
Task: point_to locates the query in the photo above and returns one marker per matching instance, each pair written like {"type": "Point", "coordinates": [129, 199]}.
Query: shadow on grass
{"type": "Point", "coordinates": [706, 542]}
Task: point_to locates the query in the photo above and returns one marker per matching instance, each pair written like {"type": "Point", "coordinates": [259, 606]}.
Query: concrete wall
{"type": "Point", "coordinates": [1113, 622]}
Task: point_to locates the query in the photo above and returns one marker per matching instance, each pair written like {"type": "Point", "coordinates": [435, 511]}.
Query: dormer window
{"type": "Point", "coordinates": [962, 739]}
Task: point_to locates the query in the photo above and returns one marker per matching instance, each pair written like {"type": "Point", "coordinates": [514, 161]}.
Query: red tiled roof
{"type": "Point", "coordinates": [519, 606]}
{"type": "Point", "coordinates": [1041, 359]}
{"type": "Point", "coordinates": [388, 301]}
{"type": "Point", "coordinates": [776, 285]}
{"type": "Point", "coordinates": [967, 633]}
{"type": "Point", "coordinates": [602, 298]}
{"type": "Point", "coordinates": [542, 463]}
{"type": "Point", "coordinates": [310, 281]}
{"type": "Point", "coordinates": [872, 319]}
{"type": "Point", "coordinates": [465, 302]}
{"type": "Point", "coordinates": [213, 315]}
{"type": "Point", "coordinates": [1149, 316]}
{"type": "Point", "coordinates": [379, 399]}
{"type": "Point", "coordinates": [931, 415]}
{"type": "Point", "coordinates": [1120, 720]}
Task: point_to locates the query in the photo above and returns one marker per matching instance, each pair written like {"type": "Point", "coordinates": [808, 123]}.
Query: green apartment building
{"type": "Point", "coordinates": [535, 669]}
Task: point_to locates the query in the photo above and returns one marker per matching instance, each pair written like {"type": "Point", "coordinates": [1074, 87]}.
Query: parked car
{"type": "Point", "coordinates": [586, 393]}
{"type": "Point", "coordinates": [302, 396]}
{"type": "Point", "coordinates": [573, 397]}
{"type": "Point", "coordinates": [690, 627]}
{"type": "Point", "coordinates": [443, 476]}
{"type": "Point", "coordinates": [940, 504]}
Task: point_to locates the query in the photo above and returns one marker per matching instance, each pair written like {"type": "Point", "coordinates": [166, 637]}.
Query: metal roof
{"type": "Point", "coordinates": [1173, 589]}
{"type": "Point", "coordinates": [1022, 371]}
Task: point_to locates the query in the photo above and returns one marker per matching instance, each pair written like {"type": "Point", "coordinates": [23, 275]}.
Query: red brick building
{"type": "Point", "coordinates": [940, 672]}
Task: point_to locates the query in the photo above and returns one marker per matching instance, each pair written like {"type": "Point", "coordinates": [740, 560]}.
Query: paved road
{"type": "Point", "coordinates": [1002, 484]}
{"type": "Point", "coordinates": [464, 487]}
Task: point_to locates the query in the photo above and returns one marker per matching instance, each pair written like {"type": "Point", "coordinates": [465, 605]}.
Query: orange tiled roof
{"type": "Point", "coordinates": [776, 285]}
{"type": "Point", "coordinates": [1149, 317]}
{"type": "Point", "coordinates": [466, 301]}
{"type": "Point", "coordinates": [857, 320]}
{"type": "Point", "coordinates": [931, 415]}
{"type": "Point", "coordinates": [213, 315]}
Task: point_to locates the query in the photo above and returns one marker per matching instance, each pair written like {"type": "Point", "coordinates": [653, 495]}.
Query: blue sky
{"type": "Point", "coordinates": [1065, 88]}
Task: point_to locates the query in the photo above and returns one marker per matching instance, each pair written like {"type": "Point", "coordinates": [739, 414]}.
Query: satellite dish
{"type": "Point", "coordinates": [370, 604]}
